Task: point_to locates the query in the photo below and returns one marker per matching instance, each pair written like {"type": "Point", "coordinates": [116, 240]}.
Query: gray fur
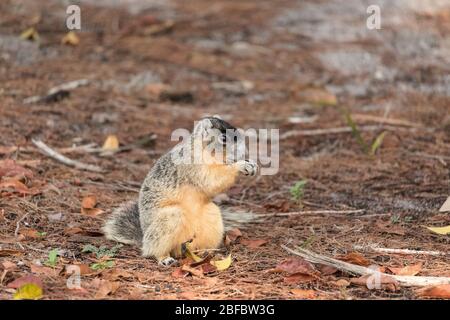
{"type": "Point", "coordinates": [136, 222]}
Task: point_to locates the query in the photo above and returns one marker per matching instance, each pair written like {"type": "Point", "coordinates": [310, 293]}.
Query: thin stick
{"type": "Point", "coordinates": [385, 120]}
{"type": "Point", "coordinates": [16, 232]}
{"type": "Point", "coordinates": [317, 132]}
{"type": "Point", "coordinates": [400, 251]}
{"type": "Point", "coordinates": [295, 213]}
{"type": "Point", "coordinates": [63, 159]}
{"type": "Point", "coordinates": [62, 87]}
{"type": "Point", "coordinates": [408, 281]}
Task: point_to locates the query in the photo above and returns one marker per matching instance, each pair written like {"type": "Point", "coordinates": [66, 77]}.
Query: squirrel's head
{"type": "Point", "coordinates": [221, 142]}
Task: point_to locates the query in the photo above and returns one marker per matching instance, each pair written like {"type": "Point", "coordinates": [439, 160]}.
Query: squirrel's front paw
{"type": "Point", "coordinates": [167, 262]}
{"type": "Point", "coordinates": [248, 167]}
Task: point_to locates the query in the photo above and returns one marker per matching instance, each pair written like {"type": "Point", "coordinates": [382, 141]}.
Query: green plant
{"type": "Point", "coordinates": [52, 258]}
{"type": "Point", "coordinates": [102, 265]}
{"type": "Point", "coordinates": [395, 218]}
{"type": "Point", "coordinates": [102, 251]}
{"type": "Point", "coordinates": [365, 147]}
{"type": "Point", "coordinates": [298, 190]}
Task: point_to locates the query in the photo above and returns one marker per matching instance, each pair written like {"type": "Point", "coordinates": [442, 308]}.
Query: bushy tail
{"type": "Point", "coordinates": [123, 225]}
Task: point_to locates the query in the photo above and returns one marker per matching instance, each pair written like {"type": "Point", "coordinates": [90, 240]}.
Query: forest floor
{"type": "Point", "coordinates": [155, 66]}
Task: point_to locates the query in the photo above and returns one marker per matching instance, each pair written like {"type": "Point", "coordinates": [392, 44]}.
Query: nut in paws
{"type": "Point", "coordinates": [250, 168]}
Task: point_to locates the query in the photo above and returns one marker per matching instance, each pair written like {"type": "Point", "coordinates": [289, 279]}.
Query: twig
{"type": "Point", "coordinates": [316, 132]}
{"type": "Point", "coordinates": [53, 92]}
{"type": "Point", "coordinates": [400, 251]}
{"type": "Point", "coordinates": [408, 281]}
{"type": "Point", "coordinates": [63, 159]}
{"type": "Point", "coordinates": [385, 120]}
{"type": "Point", "coordinates": [295, 213]}
{"type": "Point", "coordinates": [16, 232]}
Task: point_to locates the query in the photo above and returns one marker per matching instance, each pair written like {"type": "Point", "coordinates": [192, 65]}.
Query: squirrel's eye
{"type": "Point", "coordinates": [222, 139]}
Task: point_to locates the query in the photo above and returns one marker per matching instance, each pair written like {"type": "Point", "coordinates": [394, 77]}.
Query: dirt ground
{"type": "Point", "coordinates": [291, 65]}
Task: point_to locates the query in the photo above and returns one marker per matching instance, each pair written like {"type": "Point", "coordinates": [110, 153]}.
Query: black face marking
{"type": "Point", "coordinates": [227, 130]}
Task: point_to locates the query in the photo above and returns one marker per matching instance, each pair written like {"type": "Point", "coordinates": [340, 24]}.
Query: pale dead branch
{"type": "Point", "coordinates": [65, 87]}
{"type": "Point", "coordinates": [63, 159]}
{"type": "Point", "coordinates": [407, 281]}
{"type": "Point", "coordinates": [399, 251]}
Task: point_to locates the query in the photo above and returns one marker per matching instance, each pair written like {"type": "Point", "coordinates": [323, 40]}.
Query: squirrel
{"type": "Point", "coordinates": [175, 201]}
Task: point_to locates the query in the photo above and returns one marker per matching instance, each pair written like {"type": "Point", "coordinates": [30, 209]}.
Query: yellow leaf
{"type": "Point", "coordinates": [222, 264]}
{"type": "Point", "coordinates": [30, 34]}
{"type": "Point", "coordinates": [440, 230]}
{"type": "Point", "coordinates": [192, 255]}
{"type": "Point", "coordinates": [71, 38]}
{"type": "Point", "coordinates": [111, 143]}
{"type": "Point", "coordinates": [29, 291]}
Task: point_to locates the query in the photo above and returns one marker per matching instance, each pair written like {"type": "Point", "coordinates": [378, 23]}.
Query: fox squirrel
{"type": "Point", "coordinates": [174, 204]}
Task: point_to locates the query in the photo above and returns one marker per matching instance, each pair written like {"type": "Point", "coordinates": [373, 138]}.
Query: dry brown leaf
{"type": "Point", "coordinates": [341, 283]}
{"type": "Point", "coordinates": [376, 282]}
{"type": "Point", "coordinates": [188, 295]}
{"type": "Point", "coordinates": [116, 273]}
{"type": "Point", "coordinates": [326, 270]}
{"type": "Point", "coordinates": [52, 272]}
{"type": "Point", "coordinates": [8, 265]}
{"type": "Point", "coordinates": [179, 273]}
{"type": "Point", "coordinates": [234, 234]}
{"type": "Point", "coordinates": [91, 212]}
{"type": "Point", "coordinates": [10, 168]}
{"type": "Point", "coordinates": [318, 96]}
{"type": "Point", "coordinates": [30, 233]}
{"type": "Point", "coordinates": [354, 258]}
{"type": "Point", "coordinates": [83, 269]}
{"type": "Point", "coordinates": [304, 294]}
{"type": "Point", "coordinates": [194, 271]}
{"type": "Point", "coordinates": [441, 291]}
{"type": "Point", "coordinates": [295, 265]}
{"type": "Point", "coordinates": [72, 230]}
{"type": "Point", "coordinates": [298, 278]}
{"type": "Point", "coordinates": [17, 283]}
{"type": "Point", "coordinates": [89, 202]}
{"type": "Point", "coordinates": [411, 270]}
{"type": "Point", "coordinates": [105, 288]}
{"type": "Point", "coordinates": [254, 243]}
{"type": "Point", "coordinates": [15, 186]}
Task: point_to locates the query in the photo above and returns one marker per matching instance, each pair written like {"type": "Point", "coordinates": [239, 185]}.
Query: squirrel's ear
{"type": "Point", "coordinates": [217, 116]}
{"type": "Point", "coordinates": [202, 128]}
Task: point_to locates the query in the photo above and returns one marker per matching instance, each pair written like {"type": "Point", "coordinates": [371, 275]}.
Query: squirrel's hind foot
{"type": "Point", "coordinates": [168, 262]}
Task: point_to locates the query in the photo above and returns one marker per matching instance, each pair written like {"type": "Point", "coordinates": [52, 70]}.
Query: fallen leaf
{"type": "Point", "coordinates": [17, 283]}
{"type": "Point", "coordinates": [234, 234]}
{"type": "Point", "coordinates": [295, 265]}
{"type": "Point", "coordinates": [326, 270]}
{"type": "Point", "coordinates": [193, 271]}
{"type": "Point", "coordinates": [70, 38]}
{"type": "Point", "coordinates": [29, 291]}
{"type": "Point", "coordinates": [191, 254]}
{"type": "Point", "coordinates": [440, 291]}
{"type": "Point", "coordinates": [375, 281]}
{"type": "Point", "coordinates": [254, 243]}
{"type": "Point", "coordinates": [30, 233]}
{"type": "Point", "coordinates": [156, 89]}
{"type": "Point", "coordinates": [89, 202]}
{"type": "Point", "coordinates": [304, 294]}
{"type": "Point", "coordinates": [411, 270]}
{"type": "Point", "coordinates": [15, 186]}
{"type": "Point", "coordinates": [111, 143]}
{"type": "Point", "coordinates": [446, 206]}
{"type": "Point", "coordinates": [53, 272]}
{"type": "Point", "coordinates": [91, 212]}
{"type": "Point", "coordinates": [105, 288]}
{"type": "Point", "coordinates": [81, 269]}
{"type": "Point", "coordinates": [390, 228]}
{"type": "Point", "coordinates": [188, 295]}
{"type": "Point", "coordinates": [298, 278]}
{"type": "Point", "coordinates": [10, 168]}
{"type": "Point", "coordinates": [341, 283]}
{"type": "Point", "coordinates": [30, 34]}
{"type": "Point", "coordinates": [354, 258]}
{"type": "Point", "coordinates": [72, 230]}
{"type": "Point", "coordinates": [222, 264]}
{"type": "Point", "coordinates": [8, 265]}
{"type": "Point", "coordinates": [179, 273]}
{"type": "Point", "coordinates": [114, 274]}
{"type": "Point", "coordinates": [440, 230]}
{"type": "Point", "coordinates": [208, 268]}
